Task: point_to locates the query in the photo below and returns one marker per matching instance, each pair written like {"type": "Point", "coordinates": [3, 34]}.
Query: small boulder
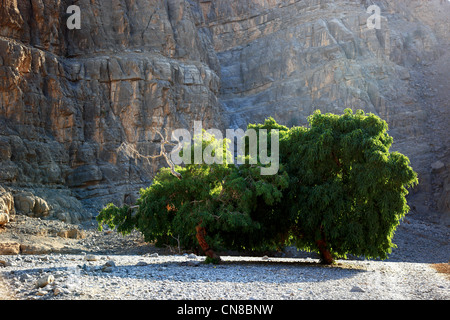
{"type": "Point", "coordinates": [41, 208]}
{"type": "Point", "coordinates": [24, 202]}
{"type": "Point", "coordinates": [7, 210]}
{"type": "Point", "coordinates": [42, 293]}
{"type": "Point", "coordinates": [110, 263]}
{"type": "Point", "coordinates": [31, 205]}
{"type": "Point", "coordinates": [27, 248]}
{"type": "Point", "coordinates": [57, 291]}
{"type": "Point", "coordinates": [90, 257]}
{"type": "Point", "coordinates": [72, 234]}
{"type": "Point", "coordinates": [193, 263]}
{"type": "Point", "coordinates": [45, 280]}
{"type": "Point", "coordinates": [4, 218]}
{"type": "Point", "coordinates": [9, 248]}
{"type": "Point", "coordinates": [5, 263]}
{"type": "Point", "coordinates": [107, 269]}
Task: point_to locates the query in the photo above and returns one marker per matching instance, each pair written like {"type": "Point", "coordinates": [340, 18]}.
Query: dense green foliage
{"type": "Point", "coordinates": [338, 185]}
{"type": "Point", "coordinates": [346, 187]}
{"type": "Point", "coordinates": [234, 204]}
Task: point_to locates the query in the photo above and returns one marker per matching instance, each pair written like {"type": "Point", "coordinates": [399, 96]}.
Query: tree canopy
{"type": "Point", "coordinates": [339, 190]}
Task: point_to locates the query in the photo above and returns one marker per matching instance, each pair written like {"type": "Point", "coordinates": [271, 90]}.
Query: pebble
{"type": "Point", "coordinates": [108, 269]}
{"type": "Point", "coordinates": [110, 263]}
{"type": "Point", "coordinates": [357, 289]}
{"type": "Point", "coordinates": [45, 280]}
{"type": "Point", "coordinates": [42, 293]}
{"type": "Point", "coordinates": [90, 257]}
{"type": "Point", "coordinates": [5, 263]}
{"type": "Point", "coordinates": [57, 291]}
{"type": "Point", "coordinates": [191, 263]}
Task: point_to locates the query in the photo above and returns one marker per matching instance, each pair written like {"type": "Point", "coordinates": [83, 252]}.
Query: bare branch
{"type": "Point", "coordinates": [178, 242]}
{"type": "Point", "coordinates": [131, 152]}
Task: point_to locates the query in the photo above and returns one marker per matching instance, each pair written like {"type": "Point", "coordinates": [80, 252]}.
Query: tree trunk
{"type": "Point", "coordinates": [201, 232]}
{"type": "Point", "coordinates": [325, 254]}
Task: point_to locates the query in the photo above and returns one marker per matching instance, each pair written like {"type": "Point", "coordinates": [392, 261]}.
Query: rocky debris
{"type": "Point", "coordinates": [26, 235]}
{"type": "Point", "coordinates": [30, 236]}
{"type": "Point", "coordinates": [42, 202]}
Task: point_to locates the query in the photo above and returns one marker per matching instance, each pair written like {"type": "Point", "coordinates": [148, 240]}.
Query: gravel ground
{"type": "Point", "coordinates": [104, 265]}
{"type": "Point", "coordinates": [248, 278]}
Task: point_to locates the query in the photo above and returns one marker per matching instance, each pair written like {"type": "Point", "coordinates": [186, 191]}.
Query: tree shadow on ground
{"type": "Point", "coordinates": [242, 271]}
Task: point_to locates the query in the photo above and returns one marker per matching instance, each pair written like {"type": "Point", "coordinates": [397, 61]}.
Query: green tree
{"type": "Point", "coordinates": [220, 206]}
{"type": "Point", "coordinates": [339, 191]}
{"type": "Point", "coordinates": [348, 191]}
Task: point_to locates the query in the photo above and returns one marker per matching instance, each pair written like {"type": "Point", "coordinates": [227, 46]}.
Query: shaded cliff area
{"type": "Point", "coordinates": [69, 98]}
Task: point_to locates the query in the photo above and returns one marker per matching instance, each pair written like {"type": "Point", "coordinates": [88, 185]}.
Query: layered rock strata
{"type": "Point", "coordinates": [70, 97]}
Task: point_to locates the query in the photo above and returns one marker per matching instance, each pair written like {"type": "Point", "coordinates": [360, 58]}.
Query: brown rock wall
{"type": "Point", "coordinates": [69, 98]}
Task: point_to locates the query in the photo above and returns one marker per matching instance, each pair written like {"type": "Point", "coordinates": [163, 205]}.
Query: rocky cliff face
{"type": "Point", "coordinates": [288, 58]}
{"type": "Point", "coordinates": [69, 98]}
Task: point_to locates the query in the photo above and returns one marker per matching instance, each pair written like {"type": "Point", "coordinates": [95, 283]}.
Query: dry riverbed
{"type": "Point", "coordinates": [91, 265]}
